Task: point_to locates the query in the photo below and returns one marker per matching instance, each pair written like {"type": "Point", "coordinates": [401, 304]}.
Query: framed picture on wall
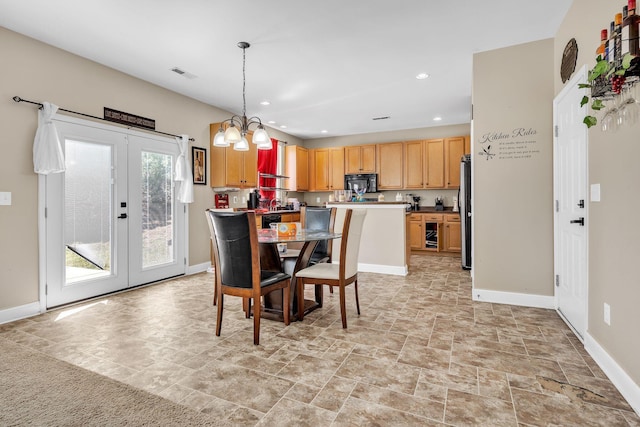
{"type": "Point", "coordinates": [199, 165]}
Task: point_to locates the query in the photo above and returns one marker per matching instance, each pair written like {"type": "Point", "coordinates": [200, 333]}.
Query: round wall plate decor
{"type": "Point", "coordinates": [569, 58]}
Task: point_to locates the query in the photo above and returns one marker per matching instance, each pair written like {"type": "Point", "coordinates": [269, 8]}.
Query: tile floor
{"type": "Point", "coordinates": [422, 353]}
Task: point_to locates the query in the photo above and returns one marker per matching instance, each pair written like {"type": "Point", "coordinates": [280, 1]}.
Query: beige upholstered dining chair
{"type": "Point", "coordinates": [237, 266]}
{"type": "Point", "coordinates": [342, 274]}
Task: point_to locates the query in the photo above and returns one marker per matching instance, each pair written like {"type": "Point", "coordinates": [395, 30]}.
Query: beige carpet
{"type": "Point", "coordinates": [38, 390]}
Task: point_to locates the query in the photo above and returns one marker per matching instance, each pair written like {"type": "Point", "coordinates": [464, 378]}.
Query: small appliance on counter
{"type": "Point", "coordinates": [416, 203]}
{"type": "Point", "coordinates": [439, 203]}
{"type": "Point", "coordinates": [222, 201]}
{"type": "Point", "coordinates": [253, 201]}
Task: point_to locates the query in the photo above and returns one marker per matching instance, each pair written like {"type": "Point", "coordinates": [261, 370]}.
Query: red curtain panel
{"type": "Point", "coordinates": [268, 163]}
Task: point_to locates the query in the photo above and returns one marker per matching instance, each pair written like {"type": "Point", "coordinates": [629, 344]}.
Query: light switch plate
{"type": "Point", "coordinates": [5, 198]}
{"type": "Point", "coordinates": [595, 192]}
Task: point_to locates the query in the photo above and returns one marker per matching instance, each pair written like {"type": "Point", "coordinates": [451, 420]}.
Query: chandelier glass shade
{"type": "Point", "coordinates": [239, 126]}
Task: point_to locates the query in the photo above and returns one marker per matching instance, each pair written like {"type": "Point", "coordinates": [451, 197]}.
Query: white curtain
{"type": "Point", "coordinates": [47, 150]}
{"type": "Point", "coordinates": [184, 176]}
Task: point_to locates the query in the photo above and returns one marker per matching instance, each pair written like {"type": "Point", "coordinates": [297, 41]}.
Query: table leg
{"type": "Point", "coordinates": [273, 301]}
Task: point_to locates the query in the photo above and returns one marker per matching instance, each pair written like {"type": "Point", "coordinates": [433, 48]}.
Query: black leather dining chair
{"type": "Point", "coordinates": [313, 218]}
{"type": "Point", "coordinates": [237, 265]}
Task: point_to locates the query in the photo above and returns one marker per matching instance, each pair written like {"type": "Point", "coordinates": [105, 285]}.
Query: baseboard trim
{"type": "Point", "coordinates": [383, 269]}
{"type": "Point", "coordinates": [21, 312]}
{"type": "Point", "coordinates": [527, 300]}
{"type": "Point", "coordinates": [623, 382]}
{"type": "Point", "coordinates": [198, 268]}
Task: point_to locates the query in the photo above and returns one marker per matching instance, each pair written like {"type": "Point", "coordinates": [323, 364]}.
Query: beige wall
{"type": "Point", "coordinates": [512, 205]}
{"type": "Point", "coordinates": [36, 71]}
{"type": "Point", "coordinates": [613, 230]}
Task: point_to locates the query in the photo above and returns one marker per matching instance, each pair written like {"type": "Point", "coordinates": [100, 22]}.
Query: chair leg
{"type": "Point", "coordinates": [287, 304]}
{"type": "Point", "coordinates": [215, 293]}
{"type": "Point", "coordinates": [357, 301]}
{"type": "Point", "coordinates": [219, 316]}
{"type": "Point", "coordinates": [343, 307]}
{"type": "Point", "coordinates": [300, 296]}
{"type": "Point", "coordinates": [246, 307]}
{"type": "Point", "coordinates": [256, 321]}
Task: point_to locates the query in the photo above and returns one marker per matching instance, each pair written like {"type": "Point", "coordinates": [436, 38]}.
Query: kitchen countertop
{"type": "Point", "coordinates": [432, 209]}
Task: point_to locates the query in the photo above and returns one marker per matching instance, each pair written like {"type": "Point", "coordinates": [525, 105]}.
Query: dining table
{"type": "Point", "coordinates": [272, 259]}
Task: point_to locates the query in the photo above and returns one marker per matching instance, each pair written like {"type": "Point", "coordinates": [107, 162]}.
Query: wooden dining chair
{"type": "Point", "coordinates": [342, 274]}
{"type": "Point", "coordinates": [237, 264]}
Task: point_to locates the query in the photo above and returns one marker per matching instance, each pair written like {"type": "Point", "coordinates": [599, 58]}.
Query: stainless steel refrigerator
{"type": "Point", "coordinates": [464, 202]}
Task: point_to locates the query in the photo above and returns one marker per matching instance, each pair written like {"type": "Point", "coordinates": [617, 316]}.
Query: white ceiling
{"type": "Point", "coordinates": [329, 65]}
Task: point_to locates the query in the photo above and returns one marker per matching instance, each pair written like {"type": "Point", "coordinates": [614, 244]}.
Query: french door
{"type": "Point", "coordinates": [112, 220]}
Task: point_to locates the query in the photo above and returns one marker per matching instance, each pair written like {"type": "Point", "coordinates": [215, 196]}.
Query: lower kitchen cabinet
{"type": "Point", "coordinates": [434, 232]}
{"type": "Point", "coordinates": [452, 234]}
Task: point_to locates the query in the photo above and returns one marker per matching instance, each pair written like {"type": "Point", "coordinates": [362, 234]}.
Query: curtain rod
{"type": "Point", "coordinates": [39, 104]}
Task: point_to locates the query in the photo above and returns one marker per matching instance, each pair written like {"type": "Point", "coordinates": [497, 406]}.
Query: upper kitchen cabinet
{"type": "Point", "coordinates": [390, 165]}
{"type": "Point", "coordinates": [231, 168]}
{"type": "Point", "coordinates": [454, 150]}
{"type": "Point", "coordinates": [360, 159]}
{"type": "Point", "coordinates": [414, 164]}
{"type": "Point", "coordinates": [297, 167]}
{"type": "Point", "coordinates": [434, 163]}
{"type": "Point", "coordinates": [327, 169]}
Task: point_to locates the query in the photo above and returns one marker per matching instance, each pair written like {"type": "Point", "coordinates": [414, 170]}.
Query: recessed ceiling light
{"type": "Point", "coordinates": [283, 126]}
{"type": "Point", "coordinates": [324, 131]}
{"type": "Point", "coordinates": [271, 122]}
{"type": "Point", "coordinates": [265, 102]}
{"type": "Point", "coordinates": [422, 76]}
{"type": "Point", "coordinates": [437, 118]}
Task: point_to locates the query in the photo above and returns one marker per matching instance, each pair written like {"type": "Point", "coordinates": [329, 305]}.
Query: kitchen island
{"type": "Point", "coordinates": [383, 246]}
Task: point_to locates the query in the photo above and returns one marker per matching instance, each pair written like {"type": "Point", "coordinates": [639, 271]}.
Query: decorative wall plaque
{"type": "Point", "coordinates": [569, 58]}
{"type": "Point", "coordinates": [128, 119]}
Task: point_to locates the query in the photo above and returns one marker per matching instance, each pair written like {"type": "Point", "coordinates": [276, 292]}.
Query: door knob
{"type": "Point", "coordinates": [578, 221]}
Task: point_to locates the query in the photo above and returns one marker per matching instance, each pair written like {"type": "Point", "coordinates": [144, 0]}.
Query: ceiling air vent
{"type": "Point", "coordinates": [381, 118]}
{"type": "Point", "coordinates": [183, 73]}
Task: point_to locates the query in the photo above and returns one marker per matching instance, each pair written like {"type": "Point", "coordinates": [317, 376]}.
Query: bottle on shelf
{"type": "Point", "coordinates": [630, 31]}
{"type": "Point", "coordinates": [602, 50]}
{"type": "Point", "coordinates": [617, 53]}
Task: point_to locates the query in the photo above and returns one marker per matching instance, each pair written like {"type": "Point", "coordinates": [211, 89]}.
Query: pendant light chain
{"type": "Point", "coordinates": [244, 80]}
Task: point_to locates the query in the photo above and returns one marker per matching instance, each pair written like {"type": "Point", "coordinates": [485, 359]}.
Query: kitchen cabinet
{"type": "Point", "coordinates": [435, 232]}
{"type": "Point", "coordinates": [434, 150]}
{"type": "Point", "coordinates": [467, 144]}
{"type": "Point", "coordinates": [360, 159]}
{"type": "Point", "coordinates": [454, 150]}
{"type": "Point", "coordinates": [416, 235]}
{"type": "Point", "coordinates": [231, 168]}
{"type": "Point", "coordinates": [452, 233]}
{"type": "Point", "coordinates": [390, 165]}
{"type": "Point", "coordinates": [327, 169]}
{"type": "Point", "coordinates": [297, 167]}
{"type": "Point", "coordinates": [414, 164]}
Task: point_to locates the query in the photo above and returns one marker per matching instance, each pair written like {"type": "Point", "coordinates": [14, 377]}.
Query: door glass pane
{"type": "Point", "coordinates": [157, 209]}
{"type": "Point", "coordinates": [88, 208]}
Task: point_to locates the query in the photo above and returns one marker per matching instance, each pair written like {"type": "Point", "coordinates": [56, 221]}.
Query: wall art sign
{"type": "Point", "coordinates": [128, 119]}
{"type": "Point", "coordinates": [517, 144]}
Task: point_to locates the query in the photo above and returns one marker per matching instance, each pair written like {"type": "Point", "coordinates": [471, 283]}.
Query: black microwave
{"type": "Point", "coordinates": [361, 180]}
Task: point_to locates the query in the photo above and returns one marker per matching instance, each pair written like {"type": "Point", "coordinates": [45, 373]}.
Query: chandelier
{"type": "Point", "coordinates": [238, 128]}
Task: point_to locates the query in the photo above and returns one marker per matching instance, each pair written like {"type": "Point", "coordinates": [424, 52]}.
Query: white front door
{"type": "Point", "coordinates": [571, 205]}
{"type": "Point", "coordinates": [112, 220]}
